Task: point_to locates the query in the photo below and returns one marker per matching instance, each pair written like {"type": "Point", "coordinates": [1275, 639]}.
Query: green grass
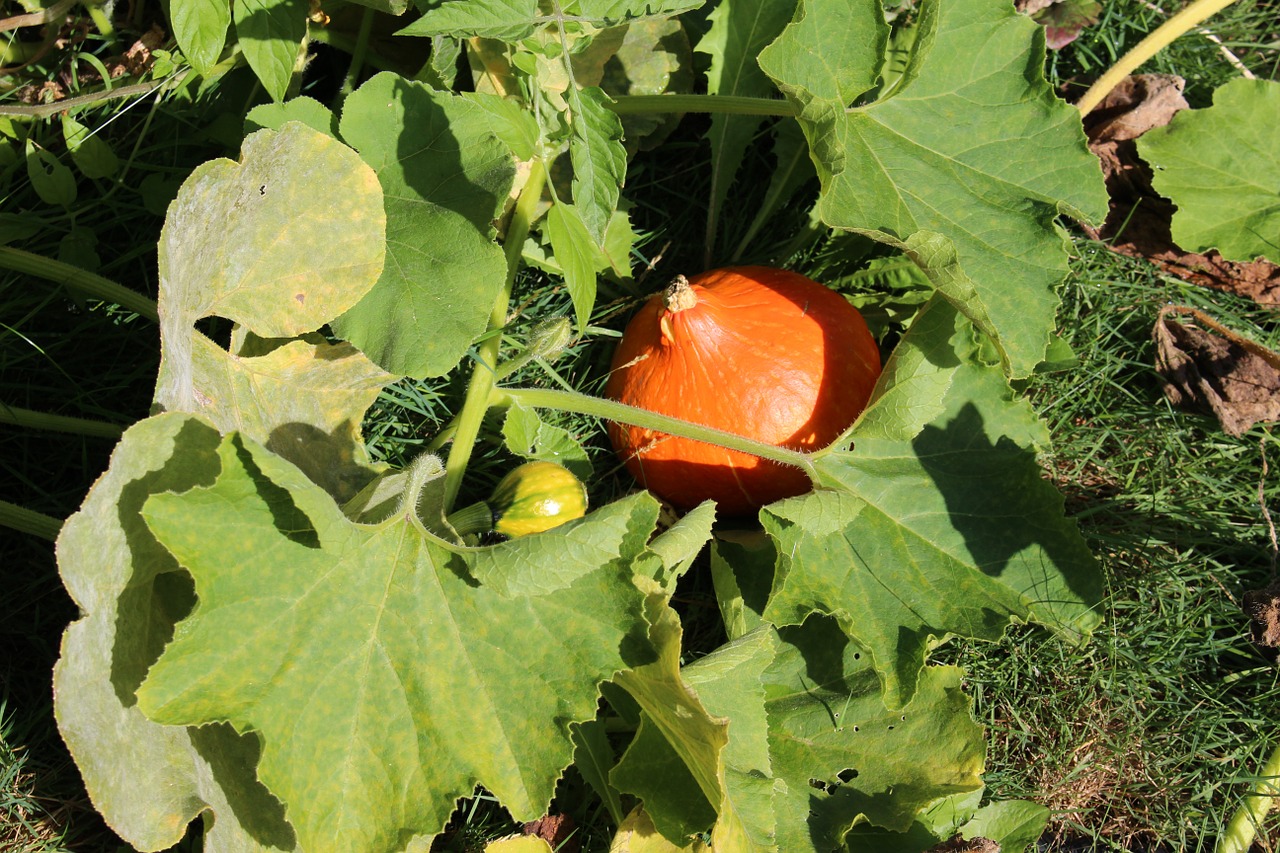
{"type": "Point", "coordinates": [1146, 735]}
{"type": "Point", "coordinates": [1145, 738]}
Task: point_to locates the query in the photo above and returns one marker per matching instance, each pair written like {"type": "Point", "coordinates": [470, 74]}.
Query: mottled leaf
{"type": "Point", "coordinates": [147, 780]}
{"type": "Point", "coordinates": [304, 401]}
{"type": "Point", "coordinates": [363, 654]}
{"type": "Point", "coordinates": [654, 58]}
{"type": "Point", "coordinates": [281, 243]}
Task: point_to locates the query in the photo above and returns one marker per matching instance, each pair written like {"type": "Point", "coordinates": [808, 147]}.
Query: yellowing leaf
{"type": "Point", "coordinates": [376, 662]}
{"type": "Point", "coordinates": [280, 243]}
{"type": "Point", "coordinates": [518, 844]}
{"type": "Point", "coordinates": [638, 835]}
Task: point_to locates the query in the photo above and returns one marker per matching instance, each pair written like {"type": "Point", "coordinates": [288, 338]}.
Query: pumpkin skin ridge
{"type": "Point", "coordinates": [698, 343]}
{"type": "Point", "coordinates": [764, 353]}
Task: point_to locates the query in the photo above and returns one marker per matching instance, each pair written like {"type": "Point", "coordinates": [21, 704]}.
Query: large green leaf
{"type": "Point", "coordinates": [377, 663]}
{"type": "Point", "coordinates": [938, 522]}
{"type": "Point", "coordinates": [971, 145]}
{"type": "Point", "coordinates": [1221, 167]}
{"type": "Point", "coordinates": [1014, 825]}
{"type": "Point", "coordinates": [812, 749]}
{"type": "Point", "coordinates": [305, 399]}
{"type": "Point", "coordinates": [844, 756]}
{"type": "Point", "coordinates": [147, 780]}
{"type": "Point", "coordinates": [280, 243]}
{"type": "Point", "coordinates": [445, 175]}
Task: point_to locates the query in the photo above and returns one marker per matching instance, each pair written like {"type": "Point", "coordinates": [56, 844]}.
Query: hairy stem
{"type": "Point", "coordinates": [567, 401]}
{"type": "Point", "coordinates": [29, 521]}
{"type": "Point", "coordinates": [484, 372]}
{"type": "Point", "coordinates": [736, 104]}
{"type": "Point", "coordinates": [82, 281]}
{"type": "Point", "coordinates": [1160, 38]}
{"type": "Point", "coordinates": [1243, 827]}
{"type": "Point", "coordinates": [359, 50]}
{"type": "Point", "coordinates": [58, 423]}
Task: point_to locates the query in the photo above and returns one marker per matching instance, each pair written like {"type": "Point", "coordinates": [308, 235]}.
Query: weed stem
{"type": "Point", "coordinates": [1156, 41]}
{"type": "Point", "coordinates": [82, 281]}
{"type": "Point", "coordinates": [58, 423]}
{"type": "Point", "coordinates": [735, 104]}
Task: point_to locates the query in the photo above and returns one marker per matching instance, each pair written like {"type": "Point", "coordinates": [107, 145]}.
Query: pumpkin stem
{"type": "Point", "coordinates": [679, 296]}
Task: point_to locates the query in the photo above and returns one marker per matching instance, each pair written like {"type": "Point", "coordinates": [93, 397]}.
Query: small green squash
{"type": "Point", "coordinates": [536, 496]}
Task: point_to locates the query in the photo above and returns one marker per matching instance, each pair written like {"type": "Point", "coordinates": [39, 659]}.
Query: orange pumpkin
{"type": "Point", "coordinates": [761, 352]}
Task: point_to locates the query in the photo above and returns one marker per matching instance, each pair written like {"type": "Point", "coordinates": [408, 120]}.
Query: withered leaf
{"type": "Point", "coordinates": [1216, 370]}
{"type": "Point", "coordinates": [1262, 606]}
{"type": "Point", "coordinates": [1138, 224]}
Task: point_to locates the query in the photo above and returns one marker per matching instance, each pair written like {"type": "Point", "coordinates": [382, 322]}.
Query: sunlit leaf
{"type": "Point", "coordinates": [270, 33]}
{"type": "Point", "coordinates": [970, 146]}
{"type": "Point", "coordinates": [938, 522]}
{"type": "Point", "coordinates": [599, 159]}
{"type": "Point", "coordinates": [148, 781]}
{"type": "Point", "coordinates": [281, 243]}
{"type": "Point", "coordinates": [200, 27]}
{"type": "Point", "coordinates": [1221, 167]}
{"type": "Point", "coordinates": [364, 654]}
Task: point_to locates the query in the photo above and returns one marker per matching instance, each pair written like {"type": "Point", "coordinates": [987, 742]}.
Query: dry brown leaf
{"type": "Point", "coordinates": [1138, 223]}
{"type": "Point", "coordinates": [1262, 606]}
{"type": "Point", "coordinates": [556, 830]}
{"type": "Point", "coordinates": [958, 844]}
{"type": "Point", "coordinates": [1216, 370]}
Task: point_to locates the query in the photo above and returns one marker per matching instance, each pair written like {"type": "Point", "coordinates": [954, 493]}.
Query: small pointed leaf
{"type": "Point", "coordinates": [270, 32]}
{"type": "Point", "coordinates": [200, 27]}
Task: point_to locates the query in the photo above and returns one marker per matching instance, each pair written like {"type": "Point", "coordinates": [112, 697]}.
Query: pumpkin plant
{"type": "Point", "coordinates": [292, 643]}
